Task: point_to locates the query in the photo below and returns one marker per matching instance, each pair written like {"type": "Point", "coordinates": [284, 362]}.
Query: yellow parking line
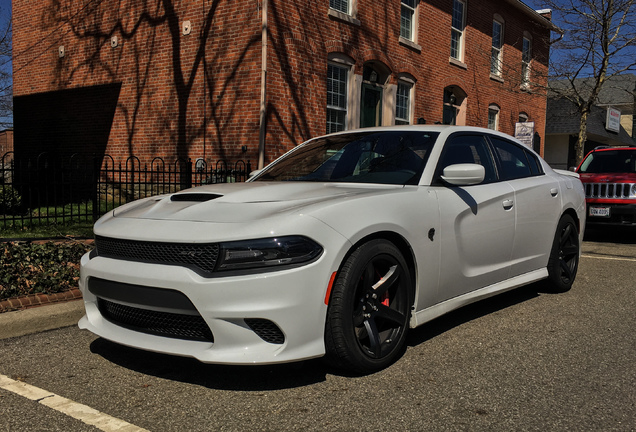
{"type": "Point", "coordinates": [609, 258]}
{"type": "Point", "coordinates": [73, 409]}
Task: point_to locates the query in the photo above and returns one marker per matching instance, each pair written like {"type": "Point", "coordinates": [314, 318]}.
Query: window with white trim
{"type": "Point", "coordinates": [526, 57]}
{"type": "Point", "coordinates": [497, 44]}
{"type": "Point", "coordinates": [523, 117]}
{"type": "Point", "coordinates": [408, 19]}
{"type": "Point", "coordinates": [343, 6]}
{"type": "Point", "coordinates": [403, 103]}
{"type": "Point", "coordinates": [337, 78]}
{"type": "Point", "coordinates": [493, 117]}
{"type": "Point", "coordinates": [457, 30]}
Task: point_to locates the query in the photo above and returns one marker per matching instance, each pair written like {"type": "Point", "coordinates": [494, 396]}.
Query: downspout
{"type": "Point", "coordinates": [263, 113]}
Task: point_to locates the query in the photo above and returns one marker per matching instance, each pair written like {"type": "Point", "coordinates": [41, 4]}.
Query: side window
{"type": "Point", "coordinates": [535, 165]}
{"type": "Point", "coordinates": [513, 159]}
{"type": "Point", "coordinates": [468, 149]}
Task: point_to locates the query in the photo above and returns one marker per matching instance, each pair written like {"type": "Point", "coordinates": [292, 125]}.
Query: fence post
{"type": "Point", "coordinates": [95, 177]}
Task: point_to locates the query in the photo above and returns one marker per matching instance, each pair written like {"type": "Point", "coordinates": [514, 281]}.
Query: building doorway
{"type": "Point", "coordinates": [374, 77]}
{"type": "Point", "coordinates": [371, 106]}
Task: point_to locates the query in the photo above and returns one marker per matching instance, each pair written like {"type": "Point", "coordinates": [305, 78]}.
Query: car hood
{"type": "Point", "coordinates": [608, 178]}
{"type": "Point", "coordinates": [244, 202]}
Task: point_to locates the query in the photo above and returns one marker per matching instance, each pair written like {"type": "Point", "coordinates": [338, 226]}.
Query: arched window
{"type": "Point", "coordinates": [404, 100]}
{"type": "Point", "coordinates": [493, 117]}
{"type": "Point", "coordinates": [454, 106]}
{"type": "Point", "coordinates": [338, 83]}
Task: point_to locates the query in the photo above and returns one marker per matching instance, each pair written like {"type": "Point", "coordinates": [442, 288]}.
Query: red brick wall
{"type": "Point", "coordinates": [6, 142]}
{"type": "Point", "coordinates": [198, 95]}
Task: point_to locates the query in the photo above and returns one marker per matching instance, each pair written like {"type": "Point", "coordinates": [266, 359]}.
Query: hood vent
{"type": "Point", "coordinates": [194, 197]}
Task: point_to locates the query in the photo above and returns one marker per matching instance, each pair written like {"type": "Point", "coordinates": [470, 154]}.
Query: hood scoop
{"type": "Point", "coordinates": [194, 197]}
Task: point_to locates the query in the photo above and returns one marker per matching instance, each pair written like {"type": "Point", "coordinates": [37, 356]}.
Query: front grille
{"type": "Point", "coordinates": [266, 330]}
{"type": "Point", "coordinates": [178, 326]}
{"type": "Point", "coordinates": [608, 190]}
{"type": "Point", "coordinates": [199, 257]}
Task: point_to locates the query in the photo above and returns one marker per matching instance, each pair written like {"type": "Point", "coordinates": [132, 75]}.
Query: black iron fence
{"type": "Point", "coordinates": [50, 190]}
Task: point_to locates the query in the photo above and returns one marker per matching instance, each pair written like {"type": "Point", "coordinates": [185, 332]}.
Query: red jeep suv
{"type": "Point", "coordinates": [609, 177]}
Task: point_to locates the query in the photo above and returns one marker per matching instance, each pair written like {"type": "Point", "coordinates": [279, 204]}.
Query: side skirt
{"type": "Point", "coordinates": [420, 317]}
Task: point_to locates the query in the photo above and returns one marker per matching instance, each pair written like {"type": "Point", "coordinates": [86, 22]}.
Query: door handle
{"type": "Point", "coordinates": [554, 192]}
{"type": "Point", "coordinates": [507, 204]}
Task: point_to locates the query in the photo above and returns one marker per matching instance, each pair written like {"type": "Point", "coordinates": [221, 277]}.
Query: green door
{"type": "Point", "coordinates": [371, 106]}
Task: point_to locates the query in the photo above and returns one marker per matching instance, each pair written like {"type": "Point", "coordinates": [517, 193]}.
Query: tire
{"type": "Point", "coordinates": [564, 256]}
{"type": "Point", "coordinates": [367, 320]}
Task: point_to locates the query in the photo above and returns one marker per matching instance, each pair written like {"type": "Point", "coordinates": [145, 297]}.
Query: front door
{"type": "Point", "coordinates": [371, 106]}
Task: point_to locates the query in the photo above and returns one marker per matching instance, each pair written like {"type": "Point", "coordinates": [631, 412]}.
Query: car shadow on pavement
{"type": "Point", "coordinates": [289, 375]}
{"type": "Point", "coordinates": [473, 311]}
{"type": "Point", "coordinates": [220, 377]}
{"type": "Point", "coordinates": [610, 234]}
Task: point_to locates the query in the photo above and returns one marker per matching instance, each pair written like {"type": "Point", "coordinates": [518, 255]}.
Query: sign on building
{"type": "Point", "coordinates": [613, 120]}
{"type": "Point", "coordinates": [524, 132]}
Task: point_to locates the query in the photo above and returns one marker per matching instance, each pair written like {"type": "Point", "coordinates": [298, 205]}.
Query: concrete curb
{"type": "Point", "coordinates": [37, 319]}
{"type": "Point", "coordinates": [40, 299]}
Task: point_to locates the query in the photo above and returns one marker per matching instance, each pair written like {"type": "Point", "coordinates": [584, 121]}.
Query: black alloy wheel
{"type": "Point", "coordinates": [564, 256]}
{"type": "Point", "coordinates": [369, 309]}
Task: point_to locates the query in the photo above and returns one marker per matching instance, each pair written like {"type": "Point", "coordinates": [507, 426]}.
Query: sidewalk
{"type": "Point", "coordinates": [41, 318]}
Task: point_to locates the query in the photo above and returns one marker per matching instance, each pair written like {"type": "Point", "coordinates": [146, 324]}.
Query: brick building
{"type": "Point", "coordinates": [189, 78]}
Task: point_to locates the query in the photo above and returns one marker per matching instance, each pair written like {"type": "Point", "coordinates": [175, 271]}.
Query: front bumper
{"type": "Point", "coordinates": [292, 300]}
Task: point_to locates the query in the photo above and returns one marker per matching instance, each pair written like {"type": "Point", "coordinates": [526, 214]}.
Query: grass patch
{"type": "Point", "coordinates": [70, 220]}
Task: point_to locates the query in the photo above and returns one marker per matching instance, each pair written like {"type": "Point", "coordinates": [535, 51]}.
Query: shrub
{"type": "Point", "coordinates": [10, 200]}
{"type": "Point", "coordinates": [29, 268]}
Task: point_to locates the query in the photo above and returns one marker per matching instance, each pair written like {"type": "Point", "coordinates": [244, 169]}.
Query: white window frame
{"type": "Point", "coordinates": [408, 85]}
{"type": "Point", "coordinates": [496, 55]}
{"type": "Point", "coordinates": [410, 9]}
{"type": "Point", "coordinates": [526, 60]}
{"type": "Point", "coordinates": [340, 2]}
{"type": "Point", "coordinates": [493, 117]}
{"type": "Point", "coordinates": [458, 34]}
{"type": "Point", "coordinates": [339, 107]}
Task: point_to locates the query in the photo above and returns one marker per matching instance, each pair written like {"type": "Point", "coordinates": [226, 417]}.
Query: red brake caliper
{"type": "Point", "coordinates": [385, 299]}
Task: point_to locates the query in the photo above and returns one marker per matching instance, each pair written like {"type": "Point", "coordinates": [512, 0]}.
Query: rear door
{"type": "Point", "coordinates": [537, 203]}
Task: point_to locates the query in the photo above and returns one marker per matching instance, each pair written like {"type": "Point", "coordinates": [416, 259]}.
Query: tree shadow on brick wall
{"type": "Point", "coordinates": [142, 28]}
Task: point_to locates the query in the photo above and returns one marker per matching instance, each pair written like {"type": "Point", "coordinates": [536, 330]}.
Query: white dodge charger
{"type": "Point", "coordinates": [335, 249]}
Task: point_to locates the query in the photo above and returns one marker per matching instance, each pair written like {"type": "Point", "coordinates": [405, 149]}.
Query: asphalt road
{"type": "Point", "coordinates": [524, 360]}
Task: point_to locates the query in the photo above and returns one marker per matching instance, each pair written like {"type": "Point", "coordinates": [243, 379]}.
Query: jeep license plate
{"type": "Point", "coordinates": [600, 211]}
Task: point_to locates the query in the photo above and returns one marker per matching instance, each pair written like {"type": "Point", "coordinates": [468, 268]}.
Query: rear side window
{"type": "Point", "coordinates": [515, 161]}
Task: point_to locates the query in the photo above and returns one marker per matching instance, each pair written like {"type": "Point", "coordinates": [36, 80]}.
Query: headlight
{"type": "Point", "coordinates": [632, 191]}
{"type": "Point", "coordinates": [264, 253]}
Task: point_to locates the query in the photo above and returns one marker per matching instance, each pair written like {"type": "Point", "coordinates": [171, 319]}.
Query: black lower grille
{"type": "Point", "coordinates": [178, 326]}
{"type": "Point", "coordinates": [199, 257]}
{"type": "Point", "coordinates": [266, 330]}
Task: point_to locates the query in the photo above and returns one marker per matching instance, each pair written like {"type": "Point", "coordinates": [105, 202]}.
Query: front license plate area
{"type": "Point", "coordinates": [600, 211]}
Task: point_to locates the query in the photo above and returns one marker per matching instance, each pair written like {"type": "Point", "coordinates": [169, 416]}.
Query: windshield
{"type": "Point", "coordinates": [610, 161]}
{"type": "Point", "coordinates": [394, 157]}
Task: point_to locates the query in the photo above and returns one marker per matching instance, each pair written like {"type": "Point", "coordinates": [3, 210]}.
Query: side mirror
{"type": "Point", "coordinates": [464, 174]}
{"type": "Point", "coordinates": [255, 173]}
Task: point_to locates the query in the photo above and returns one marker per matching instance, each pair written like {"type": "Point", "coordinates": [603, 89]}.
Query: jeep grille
{"type": "Point", "coordinates": [608, 190]}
